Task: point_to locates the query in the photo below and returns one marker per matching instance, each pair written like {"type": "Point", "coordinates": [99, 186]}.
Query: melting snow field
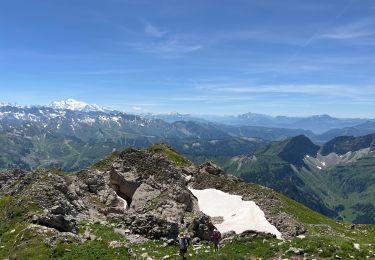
{"type": "Point", "coordinates": [238, 215]}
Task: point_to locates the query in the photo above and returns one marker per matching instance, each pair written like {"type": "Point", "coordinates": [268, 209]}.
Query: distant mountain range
{"type": "Point", "coordinates": [331, 172]}
{"type": "Point", "coordinates": [317, 123]}
{"type": "Point", "coordinates": [71, 139]}
{"type": "Point", "coordinates": [322, 127]}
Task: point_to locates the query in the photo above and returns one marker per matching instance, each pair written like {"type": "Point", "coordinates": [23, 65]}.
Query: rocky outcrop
{"type": "Point", "coordinates": [211, 168]}
{"type": "Point", "coordinates": [125, 183]}
{"type": "Point", "coordinates": [58, 222]}
{"type": "Point", "coordinates": [159, 203]}
{"type": "Point", "coordinates": [152, 185]}
{"type": "Point", "coordinates": [151, 226]}
{"type": "Point", "coordinates": [202, 227]}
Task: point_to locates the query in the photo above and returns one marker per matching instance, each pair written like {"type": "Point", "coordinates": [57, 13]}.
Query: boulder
{"type": "Point", "coordinates": [151, 227]}
{"type": "Point", "coordinates": [58, 222]}
{"type": "Point", "coordinates": [202, 227]}
{"type": "Point", "coordinates": [295, 250]}
{"type": "Point", "coordinates": [195, 240]}
{"type": "Point", "coordinates": [211, 168]}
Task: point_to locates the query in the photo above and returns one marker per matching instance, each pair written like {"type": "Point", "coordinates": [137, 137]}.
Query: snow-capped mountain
{"type": "Point", "coordinates": [76, 105]}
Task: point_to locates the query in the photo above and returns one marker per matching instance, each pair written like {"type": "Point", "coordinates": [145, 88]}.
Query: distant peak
{"type": "Point", "coordinates": [254, 115]}
{"type": "Point", "coordinates": [76, 105]}
{"type": "Point", "coordinates": [321, 116]}
{"type": "Point", "coordinates": [4, 104]}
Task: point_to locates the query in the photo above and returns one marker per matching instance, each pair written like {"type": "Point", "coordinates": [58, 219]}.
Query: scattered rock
{"type": "Point", "coordinates": [195, 240]}
{"type": "Point", "coordinates": [116, 244]}
{"type": "Point", "coordinates": [169, 242]}
{"type": "Point", "coordinates": [88, 235]}
{"type": "Point", "coordinates": [296, 251]}
{"type": "Point", "coordinates": [228, 234]}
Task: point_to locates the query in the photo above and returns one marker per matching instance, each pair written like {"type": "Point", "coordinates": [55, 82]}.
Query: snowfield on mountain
{"type": "Point", "coordinates": [238, 215]}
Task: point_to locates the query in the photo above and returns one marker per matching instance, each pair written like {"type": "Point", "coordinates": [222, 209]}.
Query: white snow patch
{"type": "Point", "coordinates": [88, 120]}
{"type": "Point", "coordinates": [123, 202]}
{"type": "Point", "coordinates": [238, 215]}
{"type": "Point", "coordinates": [103, 118]}
{"type": "Point", "coordinates": [75, 105]}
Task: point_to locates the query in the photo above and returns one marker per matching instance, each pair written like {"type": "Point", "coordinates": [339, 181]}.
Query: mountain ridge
{"type": "Point", "coordinates": [324, 126]}
{"type": "Point", "coordinates": [336, 179]}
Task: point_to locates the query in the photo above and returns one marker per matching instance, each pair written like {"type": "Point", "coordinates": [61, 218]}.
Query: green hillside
{"type": "Point", "coordinates": [343, 191]}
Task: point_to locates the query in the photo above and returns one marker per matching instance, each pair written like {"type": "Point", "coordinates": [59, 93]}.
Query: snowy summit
{"type": "Point", "coordinates": [238, 215]}
{"type": "Point", "coordinates": [75, 105]}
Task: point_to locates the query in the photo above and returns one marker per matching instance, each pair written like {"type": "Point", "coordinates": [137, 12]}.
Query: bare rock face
{"type": "Point", "coordinates": [144, 195]}
{"type": "Point", "coordinates": [153, 186]}
{"type": "Point", "coordinates": [125, 183]}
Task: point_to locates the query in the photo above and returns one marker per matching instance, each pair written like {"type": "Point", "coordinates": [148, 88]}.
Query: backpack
{"type": "Point", "coordinates": [183, 243]}
{"type": "Point", "coordinates": [216, 236]}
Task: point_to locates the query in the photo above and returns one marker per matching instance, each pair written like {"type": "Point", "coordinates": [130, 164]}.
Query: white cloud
{"type": "Point", "coordinates": [350, 31]}
{"type": "Point", "coordinates": [153, 31]}
{"type": "Point", "coordinates": [136, 108]}
{"type": "Point", "coordinates": [167, 48]}
{"type": "Point", "coordinates": [349, 91]}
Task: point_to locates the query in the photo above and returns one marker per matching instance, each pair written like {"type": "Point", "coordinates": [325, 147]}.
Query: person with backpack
{"type": "Point", "coordinates": [183, 243]}
{"type": "Point", "coordinates": [215, 237]}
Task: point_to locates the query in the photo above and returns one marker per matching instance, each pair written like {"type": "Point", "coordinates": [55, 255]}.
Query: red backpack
{"type": "Point", "coordinates": [216, 235]}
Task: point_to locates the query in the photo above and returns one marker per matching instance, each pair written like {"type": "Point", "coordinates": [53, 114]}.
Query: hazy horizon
{"type": "Point", "coordinates": [136, 111]}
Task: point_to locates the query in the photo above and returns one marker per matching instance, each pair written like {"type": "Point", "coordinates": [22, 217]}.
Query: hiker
{"type": "Point", "coordinates": [215, 237]}
{"type": "Point", "coordinates": [183, 243]}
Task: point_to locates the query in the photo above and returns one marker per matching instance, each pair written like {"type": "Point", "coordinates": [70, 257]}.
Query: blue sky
{"type": "Point", "coordinates": [289, 57]}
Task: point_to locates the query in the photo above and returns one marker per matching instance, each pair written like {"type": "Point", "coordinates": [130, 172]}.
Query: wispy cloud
{"type": "Point", "coordinates": [153, 31]}
{"type": "Point", "coordinates": [350, 31]}
{"type": "Point", "coordinates": [136, 109]}
{"type": "Point", "coordinates": [349, 91]}
{"type": "Point", "coordinates": [168, 48]}
{"type": "Point", "coordinates": [163, 43]}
